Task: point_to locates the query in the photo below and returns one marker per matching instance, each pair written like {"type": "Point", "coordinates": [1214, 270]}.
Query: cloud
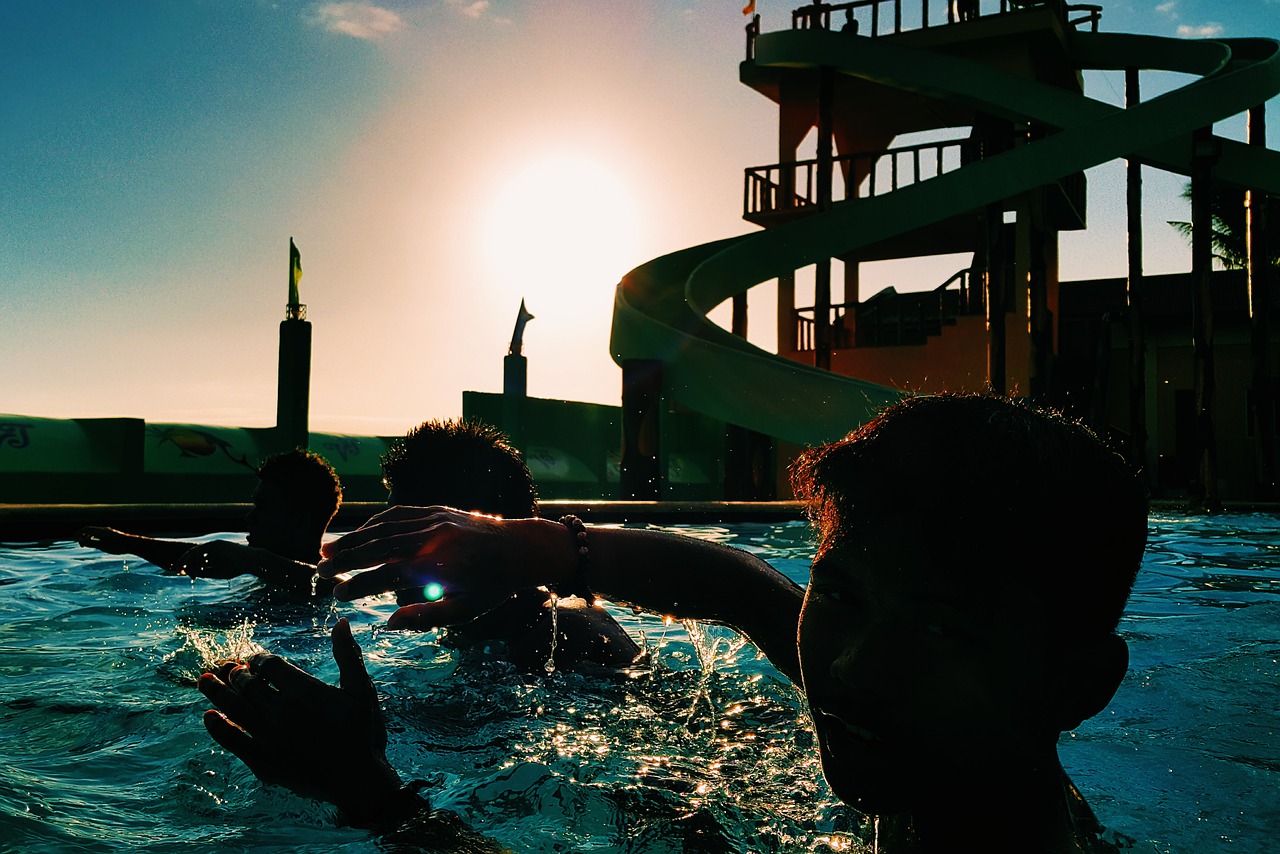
{"type": "Point", "coordinates": [1204, 31]}
{"type": "Point", "coordinates": [470, 8]}
{"type": "Point", "coordinates": [359, 20]}
{"type": "Point", "coordinates": [1170, 8]}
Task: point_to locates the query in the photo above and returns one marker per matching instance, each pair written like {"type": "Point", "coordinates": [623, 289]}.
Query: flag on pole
{"type": "Point", "coordinates": [750, 8]}
{"type": "Point", "coordinates": [295, 273]}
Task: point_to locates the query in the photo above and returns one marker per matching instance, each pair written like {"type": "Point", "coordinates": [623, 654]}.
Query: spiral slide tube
{"type": "Point", "coordinates": [660, 307]}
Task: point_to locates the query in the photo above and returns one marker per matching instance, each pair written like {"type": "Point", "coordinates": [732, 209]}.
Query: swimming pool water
{"type": "Point", "coordinates": [102, 749]}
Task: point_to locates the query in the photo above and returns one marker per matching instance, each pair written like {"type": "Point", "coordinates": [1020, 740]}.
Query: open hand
{"type": "Point", "coordinates": [292, 729]}
{"type": "Point", "coordinates": [108, 540]}
{"type": "Point", "coordinates": [478, 562]}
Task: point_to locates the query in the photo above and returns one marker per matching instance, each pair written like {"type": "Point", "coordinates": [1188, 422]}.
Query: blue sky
{"type": "Point", "coordinates": [159, 155]}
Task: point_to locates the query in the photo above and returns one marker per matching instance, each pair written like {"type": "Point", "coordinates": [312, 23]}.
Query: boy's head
{"type": "Point", "coordinates": [464, 464]}
{"type": "Point", "coordinates": [297, 496]}
{"type": "Point", "coordinates": [974, 558]}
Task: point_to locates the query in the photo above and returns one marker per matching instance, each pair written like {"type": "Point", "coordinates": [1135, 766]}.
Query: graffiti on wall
{"type": "Point", "coordinates": [13, 434]}
{"type": "Point", "coordinates": [198, 443]}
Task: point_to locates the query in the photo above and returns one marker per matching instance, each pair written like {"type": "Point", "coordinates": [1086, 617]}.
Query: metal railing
{"type": "Point", "coordinates": [1088, 14]}
{"type": "Point", "coordinates": [893, 319]}
{"type": "Point", "coordinates": [890, 17]}
{"type": "Point", "coordinates": [1075, 192]}
{"type": "Point", "coordinates": [793, 185]}
{"type": "Point", "coordinates": [806, 327]}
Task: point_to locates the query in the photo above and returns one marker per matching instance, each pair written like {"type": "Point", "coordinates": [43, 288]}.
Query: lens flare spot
{"type": "Point", "coordinates": [433, 592]}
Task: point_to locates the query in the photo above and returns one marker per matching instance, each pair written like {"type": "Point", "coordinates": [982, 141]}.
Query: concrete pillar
{"type": "Point", "coordinates": [739, 324]}
{"type": "Point", "coordinates": [515, 391]}
{"type": "Point", "coordinates": [1205, 493]}
{"type": "Point", "coordinates": [1137, 450]}
{"type": "Point", "coordinates": [643, 475]}
{"type": "Point", "coordinates": [852, 285]}
{"type": "Point", "coordinates": [1261, 285]}
{"type": "Point", "coordinates": [994, 287]}
{"type": "Point", "coordinates": [822, 272]}
{"type": "Point", "coordinates": [787, 313]}
{"type": "Point", "coordinates": [293, 385]}
{"type": "Point", "coordinates": [1039, 319]}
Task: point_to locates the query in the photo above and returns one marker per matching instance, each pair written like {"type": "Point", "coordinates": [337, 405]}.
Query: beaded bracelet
{"type": "Point", "coordinates": [578, 587]}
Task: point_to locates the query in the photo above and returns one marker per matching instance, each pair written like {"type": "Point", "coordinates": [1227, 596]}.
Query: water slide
{"type": "Point", "coordinates": [660, 307]}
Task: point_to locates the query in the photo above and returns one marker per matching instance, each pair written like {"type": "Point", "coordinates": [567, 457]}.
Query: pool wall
{"type": "Point", "coordinates": [32, 522]}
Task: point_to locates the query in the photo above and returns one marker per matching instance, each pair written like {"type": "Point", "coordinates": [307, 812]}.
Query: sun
{"type": "Point", "coordinates": [558, 225]}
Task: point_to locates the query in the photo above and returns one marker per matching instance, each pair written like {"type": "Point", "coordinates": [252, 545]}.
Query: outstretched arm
{"type": "Point", "coordinates": [163, 553]}
{"type": "Point", "coordinates": [224, 559]}
{"type": "Point", "coordinates": [479, 561]}
{"type": "Point", "coordinates": [326, 742]}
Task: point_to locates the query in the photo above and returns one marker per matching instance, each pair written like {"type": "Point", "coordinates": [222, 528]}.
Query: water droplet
{"type": "Point", "coordinates": [555, 621]}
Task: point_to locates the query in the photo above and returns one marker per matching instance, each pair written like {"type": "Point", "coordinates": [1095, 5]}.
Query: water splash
{"type": "Point", "coordinates": [203, 650]}
{"type": "Point", "coordinates": [707, 650]}
{"type": "Point", "coordinates": [550, 666]}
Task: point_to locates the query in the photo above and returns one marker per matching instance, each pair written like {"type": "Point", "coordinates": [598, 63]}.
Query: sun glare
{"type": "Point", "coordinates": [558, 225]}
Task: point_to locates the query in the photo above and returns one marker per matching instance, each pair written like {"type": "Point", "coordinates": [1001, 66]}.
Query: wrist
{"type": "Point", "coordinates": [578, 585]}
{"type": "Point", "coordinates": [386, 803]}
{"type": "Point", "coordinates": [543, 554]}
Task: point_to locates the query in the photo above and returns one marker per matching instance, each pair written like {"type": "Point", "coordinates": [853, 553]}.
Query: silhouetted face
{"type": "Point", "coordinates": [275, 526]}
{"type": "Point", "coordinates": [920, 678]}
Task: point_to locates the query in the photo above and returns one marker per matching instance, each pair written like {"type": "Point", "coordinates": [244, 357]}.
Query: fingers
{"type": "Point", "coordinates": [453, 610]}
{"type": "Point", "coordinates": [103, 539]}
{"type": "Point", "coordinates": [223, 672]}
{"type": "Point", "coordinates": [232, 738]}
{"type": "Point", "coordinates": [390, 576]}
{"type": "Point", "coordinates": [404, 512]}
{"type": "Point", "coordinates": [421, 618]}
{"type": "Point", "coordinates": [283, 676]}
{"type": "Point", "coordinates": [226, 698]}
{"type": "Point", "coordinates": [352, 674]}
{"type": "Point", "coordinates": [253, 688]}
{"type": "Point", "coordinates": [393, 542]}
{"type": "Point", "coordinates": [391, 522]}
{"type": "Point", "coordinates": [366, 532]}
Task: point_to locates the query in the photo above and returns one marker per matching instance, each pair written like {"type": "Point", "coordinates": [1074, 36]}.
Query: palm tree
{"type": "Point", "coordinates": [1230, 248]}
{"type": "Point", "coordinates": [1229, 232]}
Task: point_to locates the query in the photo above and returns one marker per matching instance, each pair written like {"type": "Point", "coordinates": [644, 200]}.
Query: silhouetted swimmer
{"type": "Point", "coordinates": [469, 465]}
{"type": "Point", "coordinates": [297, 495]}
{"type": "Point", "coordinates": [974, 556]}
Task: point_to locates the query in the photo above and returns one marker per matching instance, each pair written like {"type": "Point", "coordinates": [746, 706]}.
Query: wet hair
{"type": "Point", "coordinates": [466, 464]}
{"type": "Point", "coordinates": [1014, 493]}
{"type": "Point", "coordinates": [306, 481]}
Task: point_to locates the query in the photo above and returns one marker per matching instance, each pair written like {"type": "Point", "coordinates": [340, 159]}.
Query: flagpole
{"type": "Point", "coordinates": [294, 310]}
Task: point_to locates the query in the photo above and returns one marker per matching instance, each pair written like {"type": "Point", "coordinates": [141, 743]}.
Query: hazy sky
{"type": "Point", "coordinates": [435, 161]}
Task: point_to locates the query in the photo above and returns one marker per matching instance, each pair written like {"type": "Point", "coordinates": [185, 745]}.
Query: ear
{"type": "Point", "coordinates": [1089, 673]}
